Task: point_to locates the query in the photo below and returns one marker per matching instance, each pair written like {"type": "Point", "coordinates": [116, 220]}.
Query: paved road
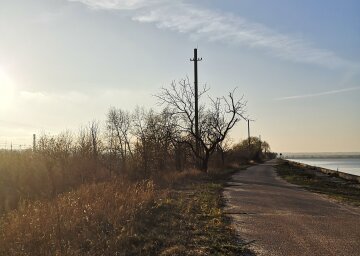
{"type": "Point", "coordinates": [277, 218]}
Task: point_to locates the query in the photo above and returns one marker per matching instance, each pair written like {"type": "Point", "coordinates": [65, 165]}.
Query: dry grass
{"type": "Point", "coordinates": [71, 208]}
{"type": "Point", "coordinates": [177, 214]}
{"type": "Point", "coordinates": [96, 219]}
{"type": "Point", "coordinates": [175, 178]}
{"type": "Point", "coordinates": [25, 175]}
{"type": "Point", "coordinates": [335, 187]}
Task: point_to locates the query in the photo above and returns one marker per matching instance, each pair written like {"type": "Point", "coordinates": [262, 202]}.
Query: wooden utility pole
{"type": "Point", "coordinates": [249, 138]}
{"type": "Point", "coordinates": [34, 142]}
{"type": "Point", "coordinates": [195, 60]}
{"type": "Point", "coordinates": [249, 132]}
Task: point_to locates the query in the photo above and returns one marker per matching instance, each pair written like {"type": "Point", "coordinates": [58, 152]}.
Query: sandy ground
{"type": "Point", "coordinates": [278, 218]}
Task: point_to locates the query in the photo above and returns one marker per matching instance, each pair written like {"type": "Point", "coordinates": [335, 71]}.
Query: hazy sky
{"type": "Point", "coordinates": [63, 63]}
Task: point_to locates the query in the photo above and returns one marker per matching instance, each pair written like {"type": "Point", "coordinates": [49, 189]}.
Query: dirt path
{"type": "Point", "coordinates": [278, 218]}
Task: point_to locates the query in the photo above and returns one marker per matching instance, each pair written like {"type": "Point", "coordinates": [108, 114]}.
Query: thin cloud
{"type": "Point", "coordinates": [200, 23]}
{"type": "Point", "coordinates": [119, 4]}
{"type": "Point", "coordinates": [319, 94]}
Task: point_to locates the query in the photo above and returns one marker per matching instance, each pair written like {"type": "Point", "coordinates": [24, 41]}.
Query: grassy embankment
{"type": "Point", "coordinates": [177, 214]}
{"type": "Point", "coordinates": [331, 185]}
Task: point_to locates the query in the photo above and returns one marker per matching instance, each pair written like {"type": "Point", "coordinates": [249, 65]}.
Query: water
{"type": "Point", "coordinates": [348, 165]}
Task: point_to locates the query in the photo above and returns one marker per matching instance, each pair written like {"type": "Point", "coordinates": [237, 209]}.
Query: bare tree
{"type": "Point", "coordinates": [139, 130]}
{"type": "Point", "coordinates": [95, 139]}
{"type": "Point", "coordinates": [223, 148]}
{"type": "Point", "coordinates": [118, 127]}
{"type": "Point", "coordinates": [215, 122]}
{"type": "Point", "coordinates": [154, 145]}
{"type": "Point", "coordinates": [63, 151]}
{"type": "Point", "coordinates": [47, 150]}
{"type": "Point", "coordinates": [88, 150]}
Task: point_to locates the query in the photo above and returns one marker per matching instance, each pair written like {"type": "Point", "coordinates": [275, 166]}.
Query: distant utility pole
{"type": "Point", "coordinates": [249, 132]}
{"type": "Point", "coordinates": [34, 142]}
{"type": "Point", "coordinates": [249, 139]}
{"type": "Point", "coordinates": [195, 60]}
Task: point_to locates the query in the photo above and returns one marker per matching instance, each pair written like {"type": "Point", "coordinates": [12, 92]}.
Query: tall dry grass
{"type": "Point", "coordinates": [96, 219]}
{"type": "Point", "coordinates": [23, 176]}
{"type": "Point", "coordinates": [27, 175]}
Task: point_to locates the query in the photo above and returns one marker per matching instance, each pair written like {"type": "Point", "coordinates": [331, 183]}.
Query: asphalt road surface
{"type": "Point", "coordinates": [278, 218]}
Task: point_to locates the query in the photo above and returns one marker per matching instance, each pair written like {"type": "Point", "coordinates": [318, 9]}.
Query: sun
{"type": "Point", "coordinates": [7, 90]}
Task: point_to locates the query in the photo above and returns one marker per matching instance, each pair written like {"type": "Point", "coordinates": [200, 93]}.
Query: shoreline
{"type": "Point", "coordinates": [322, 181]}
{"type": "Point", "coordinates": [315, 169]}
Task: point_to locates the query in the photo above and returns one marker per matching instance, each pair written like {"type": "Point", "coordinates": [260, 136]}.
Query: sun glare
{"type": "Point", "coordinates": [7, 90]}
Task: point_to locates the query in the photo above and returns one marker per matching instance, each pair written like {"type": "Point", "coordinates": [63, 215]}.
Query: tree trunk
{"type": "Point", "coordinates": [205, 162]}
{"type": "Point", "coordinates": [223, 157]}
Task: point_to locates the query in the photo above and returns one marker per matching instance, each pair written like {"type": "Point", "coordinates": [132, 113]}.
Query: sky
{"type": "Point", "coordinates": [64, 63]}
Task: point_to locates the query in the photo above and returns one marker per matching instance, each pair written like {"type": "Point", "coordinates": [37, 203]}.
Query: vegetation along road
{"type": "Point", "coordinates": [278, 218]}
